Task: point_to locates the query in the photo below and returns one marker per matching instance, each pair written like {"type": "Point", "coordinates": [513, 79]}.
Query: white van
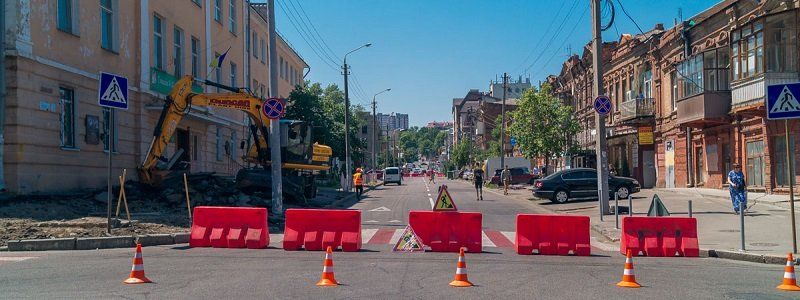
{"type": "Point", "coordinates": [392, 175]}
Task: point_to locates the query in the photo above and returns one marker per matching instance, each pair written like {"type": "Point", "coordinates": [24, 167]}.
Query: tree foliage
{"type": "Point", "coordinates": [462, 153]}
{"type": "Point", "coordinates": [543, 126]}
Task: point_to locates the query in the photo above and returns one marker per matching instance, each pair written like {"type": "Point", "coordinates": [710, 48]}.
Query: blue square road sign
{"type": "Point", "coordinates": [782, 101]}
{"type": "Point", "coordinates": [113, 91]}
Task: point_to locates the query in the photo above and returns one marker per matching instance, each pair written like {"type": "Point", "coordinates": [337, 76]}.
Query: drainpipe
{"type": "Point", "coordinates": [689, 158]}
{"type": "Point", "coordinates": [2, 94]}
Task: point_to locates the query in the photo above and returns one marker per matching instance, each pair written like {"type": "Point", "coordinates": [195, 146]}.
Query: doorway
{"type": "Point", "coordinates": [669, 162]}
{"type": "Point", "coordinates": [648, 169]}
{"type": "Point", "coordinates": [183, 141]}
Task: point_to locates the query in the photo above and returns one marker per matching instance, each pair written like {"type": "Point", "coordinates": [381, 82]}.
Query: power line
{"type": "Point", "coordinates": [568, 35]}
{"type": "Point", "coordinates": [310, 45]}
{"type": "Point", "coordinates": [289, 5]}
{"type": "Point", "coordinates": [549, 26]}
{"type": "Point", "coordinates": [299, 4]}
{"type": "Point", "coordinates": [629, 16]}
{"type": "Point", "coordinates": [553, 37]}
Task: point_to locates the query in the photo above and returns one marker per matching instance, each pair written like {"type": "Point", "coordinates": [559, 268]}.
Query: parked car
{"type": "Point", "coordinates": [467, 174]}
{"type": "Point", "coordinates": [378, 173]}
{"type": "Point", "coordinates": [392, 175]}
{"type": "Point", "coordinates": [581, 183]}
{"type": "Point", "coordinates": [519, 175]}
{"type": "Point", "coordinates": [416, 172]}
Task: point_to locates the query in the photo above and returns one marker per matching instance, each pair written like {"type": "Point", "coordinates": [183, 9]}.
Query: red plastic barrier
{"type": "Point", "coordinates": [229, 227]}
{"type": "Point", "coordinates": [448, 231]}
{"type": "Point", "coordinates": [552, 234]}
{"type": "Point", "coordinates": [316, 229]}
{"type": "Point", "coordinates": [660, 236]}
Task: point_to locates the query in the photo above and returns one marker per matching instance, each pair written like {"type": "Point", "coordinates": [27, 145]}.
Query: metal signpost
{"type": "Point", "coordinates": [274, 109]}
{"type": "Point", "coordinates": [112, 93]}
{"type": "Point", "coordinates": [782, 104]}
{"type": "Point", "coordinates": [602, 105]}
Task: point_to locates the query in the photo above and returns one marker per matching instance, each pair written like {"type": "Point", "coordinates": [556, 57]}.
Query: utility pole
{"type": "Point", "coordinates": [374, 128]}
{"type": "Point", "coordinates": [274, 125]}
{"type": "Point", "coordinates": [347, 172]}
{"type": "Point", "coordinates": [600, 120]}
{"type": "Point", "coordinates": [503, 117]}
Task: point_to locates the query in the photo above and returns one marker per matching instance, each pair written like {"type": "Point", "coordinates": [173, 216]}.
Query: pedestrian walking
{"type": "Point", "coordinates": [477, 177]}
{"type": "Point", "coordinates": [432, 177]}
{"type": "Point", "coordinates": [358, 181]}
{"type": "Point", "coordinates": [738, 189]}
{"type": "Point", "coordinates": [505, 176]}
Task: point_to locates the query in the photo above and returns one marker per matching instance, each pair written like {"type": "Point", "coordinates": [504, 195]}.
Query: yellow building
{"type": "Point", "coordinates": [55, 50]}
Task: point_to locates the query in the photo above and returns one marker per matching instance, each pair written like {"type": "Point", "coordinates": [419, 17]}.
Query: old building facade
{"type": "Point", "coordinates": [55, 51]}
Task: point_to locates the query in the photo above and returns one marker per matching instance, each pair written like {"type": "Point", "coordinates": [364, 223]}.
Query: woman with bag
{"type": "Point", "coordinates": [736, 184]}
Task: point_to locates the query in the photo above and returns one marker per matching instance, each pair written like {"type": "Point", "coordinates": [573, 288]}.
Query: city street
{"type": "Point", "coordinates": [377, 273]}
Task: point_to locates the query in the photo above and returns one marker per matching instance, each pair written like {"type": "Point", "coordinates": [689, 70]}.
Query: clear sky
{"type": "Point", "coordinates": [429, 52]}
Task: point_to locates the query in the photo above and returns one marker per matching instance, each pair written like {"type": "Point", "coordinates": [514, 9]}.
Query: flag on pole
{"type": "Point", "coordinates": [217, 61]}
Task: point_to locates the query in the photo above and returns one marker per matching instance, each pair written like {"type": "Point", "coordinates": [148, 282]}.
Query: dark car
{"type": "Point", "coordinates": [519, 175]}
{"type": "Point", "coordinates": [581, 183]}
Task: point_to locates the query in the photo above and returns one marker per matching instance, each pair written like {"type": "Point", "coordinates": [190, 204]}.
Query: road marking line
{"type": "Point", "coordinates": [395, 221]}
{"type": "Point", "coordinates": [366, 234]}
{"type": "Point", "coordinates": [487, 242]}
{"type": "Point", "coordinates": [431, 200]}
{"type": "Point", "coordinates": [371, 221]}
{"type": "Point", "coordinates": [382, 208]}
{"type": "Point", "coordinates": [396, 236]}
{"type": "Point", "coordinates": [511, 235]}
{"type": "Point", "coordinates": [498, 239]}
{"type": "Point", "coordinates": [16, 258]}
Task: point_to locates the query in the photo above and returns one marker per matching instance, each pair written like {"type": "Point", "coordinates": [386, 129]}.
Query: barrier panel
{"type": "Point", "coordinates": [448, 231]}
{"type": "Point", "coordinates": [316, 229]}
{"type": "Point", "coordinates": [552, 235]}
{"type": "Point", "coordinates": [229, 227]}
{"type": "Point", "coordinates": [660, 236]}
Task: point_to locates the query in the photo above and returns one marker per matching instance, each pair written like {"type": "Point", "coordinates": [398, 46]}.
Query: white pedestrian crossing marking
{"type": "Point", "coordinates": [395, 221]}
{"type": "Point", "coordinates": [366, 234]}
{"type": "Point", "coordinates": [396, 235]}
{"type": "Point", "coordinates": [487, 242]}
{"type": "Point", "coordinates": [113, 92]}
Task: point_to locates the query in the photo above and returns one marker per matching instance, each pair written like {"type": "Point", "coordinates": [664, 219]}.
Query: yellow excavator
{"type": "Point", "coordinates": [300, 158]}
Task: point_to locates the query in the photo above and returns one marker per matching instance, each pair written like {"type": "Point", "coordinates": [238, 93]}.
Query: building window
{"type": "Point", "coordinates": [218, 147]}
{"type": "Point", "coordinates": [281, 67]}
{"type": "Point", "coordinates": [262, 91]}
{"type": "Point", "coordinates": [108, 26]}
{"type": "Point", "coordinates": [195, 148]}
{"type": "Point", "coordinates": [673, 79]}
{"type": "Point", "coordinates": [217, 73]}
{"type": "Point", "coordinates": [218, 10]}
{"type": "Point", "coordinates": [67, 102]}
{"type": "Point", "coordinates": [110, 128]}
{"type": "Point", "coordinates": [232, 17]}
{"type": "Point", "coordinates": [254, 87]}
{"type": "Point", "coordinates": [707, 71]}
{"type": "Point", "coordinates": [195, 58]}
{"type": "Point", "coordinates": [263, 51]}
{"type": "Point", "coordinates": [779, 157]}
{"type": "Point", "coordinates": [747, 47]}
{"type": "Point", "coordinates": [233, 145]}
{"type": "Point", "coordinates": [68, 16]}
{"type": "Point", "coordinates": [755, 163]}
{"type": "Point", "coordinates": [197, 2]}
{"type": "Point", "coordinates": [781, 43]}
{"type": "Point", "coordinates": [255, 44]}
{"type": "Point", "coordinates": [646, 86]}
{"type": "Point", "coordinates": [233, 74]}
{"type": "Point", "coordinates": [158, 42]}
{"type": "Point", "coordinates": [178, 48]}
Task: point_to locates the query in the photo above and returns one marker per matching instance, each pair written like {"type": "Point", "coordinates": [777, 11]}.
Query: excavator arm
{"type": "Point", "coordinates": [179, 102]}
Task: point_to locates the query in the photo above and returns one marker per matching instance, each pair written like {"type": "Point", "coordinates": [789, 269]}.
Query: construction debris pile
{"type": "Point", "coordinates": [205, 189]}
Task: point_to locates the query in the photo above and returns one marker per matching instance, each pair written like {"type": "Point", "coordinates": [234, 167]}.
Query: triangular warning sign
{"type": "Point", "coordinates": [444, 201]}
{"type": "Point", "coordinates": [113, 92]}
{"type": "Point", "coordinates": [409, 242]}
{"type": "Point", "coordinates": [786, 102]}
{"type": "Point", "coordinates": [657, 208]}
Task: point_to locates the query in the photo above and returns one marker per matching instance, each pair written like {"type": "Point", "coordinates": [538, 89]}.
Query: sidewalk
{"type": "Point", "coordinates": [767, 222]}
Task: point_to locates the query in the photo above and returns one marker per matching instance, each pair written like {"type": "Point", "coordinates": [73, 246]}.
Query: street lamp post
{"type": "Point", "coordinates": [375, 127]}
{"type": "Point", "coordinates": [347, 165]}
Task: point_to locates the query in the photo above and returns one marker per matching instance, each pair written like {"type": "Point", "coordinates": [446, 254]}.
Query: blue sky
{"type": "Point", "coordinates": [429, 52]}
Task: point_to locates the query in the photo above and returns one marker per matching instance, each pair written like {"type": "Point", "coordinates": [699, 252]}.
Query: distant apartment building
{"type": "Point", "coordinates": [514, 89]}
{"type": "Point", "coordinates": [54, 51]}
{"type": "Point", "coordinates": [402, 121]}
{"type": "Point", "coordinates": [392, 121]}
{"type": "Point", "coordinates": [439, 125]}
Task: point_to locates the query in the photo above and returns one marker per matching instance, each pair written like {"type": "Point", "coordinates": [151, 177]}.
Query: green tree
{"type": "Point", "coordinates": [543, 126]}
{"type": "Point", "coordinates": [462, 153]}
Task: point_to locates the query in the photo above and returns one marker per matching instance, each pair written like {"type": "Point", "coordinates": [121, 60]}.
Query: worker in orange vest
{"type": "Point", "coordinates": [358, 181]}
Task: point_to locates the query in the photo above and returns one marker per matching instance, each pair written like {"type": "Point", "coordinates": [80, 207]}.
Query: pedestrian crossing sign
{"type": "Point", "coordinates": [113, 91]}
{"type": "Point", "coordinates": [444, 201]}
{"type": "Point", "coordinates": [409, 242]}
{"type": "Point", "coordinates": [782, 101]}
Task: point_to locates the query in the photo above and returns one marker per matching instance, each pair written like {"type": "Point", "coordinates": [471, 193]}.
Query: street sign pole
{"type": "Point", "coordinates": [600, 120]}
{"type": "Point", "coordinates": [112, 93]}
{"type": "Point", "coordinates": [109, 138]}
{"type": "Point", "coordinates": [790, 174]}
{"type": "Point", "coordinates": [274, 124]}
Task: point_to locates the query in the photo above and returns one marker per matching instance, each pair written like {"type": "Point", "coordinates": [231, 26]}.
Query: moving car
{"type": "Point", "coordinates": [392, 175]}
{"type": "Point", "coordinates": [581, 183]}
{"type": "Point", "coordinates": [519, 175]}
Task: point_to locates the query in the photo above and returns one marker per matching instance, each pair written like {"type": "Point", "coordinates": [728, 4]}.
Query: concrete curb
{"type": "Point", "coordinates": [97, 242]}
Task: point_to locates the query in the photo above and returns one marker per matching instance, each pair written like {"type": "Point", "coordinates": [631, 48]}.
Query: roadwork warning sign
{"type": "Point", "coordinates": [444, 201]}
{"type": "Point", "coordinates": [409, 242]}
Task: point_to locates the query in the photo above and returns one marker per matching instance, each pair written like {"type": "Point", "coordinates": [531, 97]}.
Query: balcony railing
{"type": "Point", "coordinates": [637, 108]}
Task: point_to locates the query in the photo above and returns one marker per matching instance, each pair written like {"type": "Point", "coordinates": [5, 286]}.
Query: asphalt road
{"type": "Point", "coordinates": [180, 272]}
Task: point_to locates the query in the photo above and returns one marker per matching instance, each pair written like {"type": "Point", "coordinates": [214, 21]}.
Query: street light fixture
{"type": "Point", "coordinates": [375, 127]}
{"type": "Point", "coordinates": [347, 163]}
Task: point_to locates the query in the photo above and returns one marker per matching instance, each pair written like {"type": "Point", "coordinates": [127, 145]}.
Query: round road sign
{"type": "Point", "coordinates": [602, 104]}
{"type": "Point", "coordinates": [273, 108]}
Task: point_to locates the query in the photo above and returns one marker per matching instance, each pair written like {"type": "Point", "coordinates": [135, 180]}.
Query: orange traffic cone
{"type": "Point", "coordinates": [327, 270]}
{"type": "Point", "coordinates": [137, 271]}
{"type": "Point", "coordinates": [789, 281]}
{"type": "Point", "coordinates": [628, 279]}
{"type": "Point", "coordinates": [461, 272]}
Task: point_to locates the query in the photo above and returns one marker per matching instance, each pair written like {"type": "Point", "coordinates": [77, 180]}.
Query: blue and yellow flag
{"type": "Point", "coordinates": [217, 61]}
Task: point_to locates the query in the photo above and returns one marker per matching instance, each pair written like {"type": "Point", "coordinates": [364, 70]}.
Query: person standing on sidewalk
{"type": "Point", "coordinates": [477, 177]}
{"type": "Point", "coordinates": [432, 178]}
{"type": "Point", "coordinates": [505, 176]}
{"type": "Point", "coordinates": [358, 182]}
{"type": "Point", "coordinates": [738, 189]}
